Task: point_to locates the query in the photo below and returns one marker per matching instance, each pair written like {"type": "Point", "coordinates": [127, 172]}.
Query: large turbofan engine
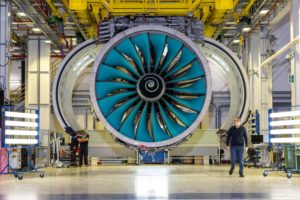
{"type": "Point", "coordinates": [150, 86]}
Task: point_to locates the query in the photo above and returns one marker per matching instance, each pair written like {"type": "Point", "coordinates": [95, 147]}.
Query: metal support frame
{"type": "Point", "coordinates": [266, 82]}
{"type": "Point", "coordinates": [36, 18]}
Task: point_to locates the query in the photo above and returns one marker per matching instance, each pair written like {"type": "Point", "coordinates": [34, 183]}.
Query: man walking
{"type": "Point", "coordinates": [237, 140]}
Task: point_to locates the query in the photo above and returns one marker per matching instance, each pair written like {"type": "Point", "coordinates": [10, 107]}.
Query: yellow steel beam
{"type": "Point", "coordinates": [245, 11]}
{"type": "Point", "coordinates": [212, 12]}
{"type": "Point", "coordinates": [55, 11]}
{"type": "Point", "coordinates": [105, 4]}
{"type": "Point", "coordinates": [218, 15]}
{"type": "Point", "coordinates": [129, 7]}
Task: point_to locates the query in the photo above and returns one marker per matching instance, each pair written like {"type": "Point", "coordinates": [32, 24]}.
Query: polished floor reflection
{"type": "Point", "coordinates": [149, 182]}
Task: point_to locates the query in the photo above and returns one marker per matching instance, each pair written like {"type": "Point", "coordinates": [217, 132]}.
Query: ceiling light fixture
{"type": "Point", "coordinates": [264, 11]}
{"type": "Point", "coordinates": [47, 41]}
{"type": "Point", "coordinates": [246, 29]}
{"type": "Point", "coordinates": [235, 41]}
{"type": "Point", "coordinates": [36, 29]}
{"type": "Point", "coordinates": [21, 14]}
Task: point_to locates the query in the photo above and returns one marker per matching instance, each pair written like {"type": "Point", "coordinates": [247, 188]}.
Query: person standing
{"type": "Point", "coordinates": [83, 139]}
{"type": "Point", "coordinates": [237, 141]}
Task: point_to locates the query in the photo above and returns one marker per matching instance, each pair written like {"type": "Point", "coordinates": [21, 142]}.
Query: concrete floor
{"type": "Point", "coordinates": [149, 182]}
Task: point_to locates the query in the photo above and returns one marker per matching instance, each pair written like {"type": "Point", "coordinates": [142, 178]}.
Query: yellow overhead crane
{"type": "Point", "coordinates": [90, 12]}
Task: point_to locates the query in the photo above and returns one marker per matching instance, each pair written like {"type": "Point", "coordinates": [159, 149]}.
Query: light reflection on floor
{"type": "Point", "coordinates": [149, 182]}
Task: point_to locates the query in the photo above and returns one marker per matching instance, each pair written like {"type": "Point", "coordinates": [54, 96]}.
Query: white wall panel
{"type": "Point", "coordinates": [44, 89]}
{"type": "Point", "coordinates": [32, 87]}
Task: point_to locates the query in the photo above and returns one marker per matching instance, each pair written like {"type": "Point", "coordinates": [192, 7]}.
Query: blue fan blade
{"type": "Point", "coordinates": [104, 88]}
{"type": "Point", "coordinates": [116, 116]}
{"type": "Point", "coordinates": [186, 58]}
{"type": "Point", "coordinates": [106, 73]}
{"type": "Point", "coordinates": [174, 47]}
{"type": "Point", "coordinates": [185, 117]}
{"type": "Point", "coordinates": [198, 87]}
{"type": "Point", "coordinates": [196, 71]}
{"type": "Point", "coordinates": [108, 103]}
{"type": "Point", "coordinates": [128, 49]}
{"type": "Point", "coordinates": [142, 42]}
{"type": "Point", "coordinates": [193, 104]}
{"type": "Point", "coordinates": [127, 128]}
{"type": "Point", "coordinates": [174, 128]}
{"type": "Point", "coordinates": [142, 129]}
{"type": "Point", "coordinates": [114, 58]}
{"type": "Point", "coordinates": [158, 133]}
{"type": "Point", "coordinates": [158, 42]}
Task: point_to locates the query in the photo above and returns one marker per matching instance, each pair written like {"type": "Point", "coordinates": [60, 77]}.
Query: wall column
{"type": "Point", "coordinates": [38, 82]}
{"type": "Point", "coordinates": [295, 61]}
{"type": "Point", "coordinates": [4, 42]}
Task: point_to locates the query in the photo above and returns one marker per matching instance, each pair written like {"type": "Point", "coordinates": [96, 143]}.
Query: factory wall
{"type": "Point", "coordinates": [281, 65]}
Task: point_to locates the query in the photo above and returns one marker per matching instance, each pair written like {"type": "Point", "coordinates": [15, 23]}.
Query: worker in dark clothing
{"type": "Point", "coordinates": [83, 139]}
{"type": "Point", "coordinates": [237, 141]}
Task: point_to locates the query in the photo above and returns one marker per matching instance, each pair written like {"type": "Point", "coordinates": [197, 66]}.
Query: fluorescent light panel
{"type": "Point", "coordinates": [21, 124]}
{"type": "Point", "coordinates": [36, 29]}
{"type": "Point", "coordinates": [286, 140]}
{"type": "Point", "coordinates": [20, 132]}
{"type": "Point", "coordinates": [285, 114]}
{"type": "Point", "coordinates": [236, 41]}
{"type": "Point", "coordinates": [21, 14]}
{"type": "Point", "coordinates": [21, 115]}
{"type": "Point", "coordinates": [21, 141]}
{"type": "Point", "coordinates": [285, 131]}
{"type": "Point", "coordinates": [246, 29]}
{"type": "Point", "coordinates": [285, 123]}
{"type": "Point", "coordinates": [264, 11]}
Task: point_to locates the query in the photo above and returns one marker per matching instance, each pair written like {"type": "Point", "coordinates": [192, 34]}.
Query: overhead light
{"type": "Point", "coordinates": [285, 114]}
{"type": "Point", "coordinates": [229, 28]}
{"type": "Point", "coordinates": [285, 123]}
{"type": "Point", "coordinates": [21, 115]}
{"type": "Point", "coordinates": [264, 11]}
{"type": "Point", "coordinates": [21, 14]}
{"type": "Point", "coordinates": [235, 41]}
{"type": "Point", "coordinates": [20, 132]}
{"type": "Point", "coordinates": [246, 29]}
{"type": "Point", "coordinates": [21, 124]}
{"type": "Point", "coordinates": [56, 51]}
{"type": "Point", "coordinates": [21, 141]}
{"type": "Point", "coordinates": [231, 23]}
{"type": "Point", "coordinates": [285, 131]}
{"type": "Point", "coordinates": [285, 140]}
{"type": "Point", "coordinates": [47, 41]}
{"type": "Point", "coordinates": [36, 29]}
{"type": "Point", "coordinates": [15, 81]}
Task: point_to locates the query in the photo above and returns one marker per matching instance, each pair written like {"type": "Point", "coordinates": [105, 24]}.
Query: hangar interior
{"type": "Point", "coordinates": [156, 85]}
